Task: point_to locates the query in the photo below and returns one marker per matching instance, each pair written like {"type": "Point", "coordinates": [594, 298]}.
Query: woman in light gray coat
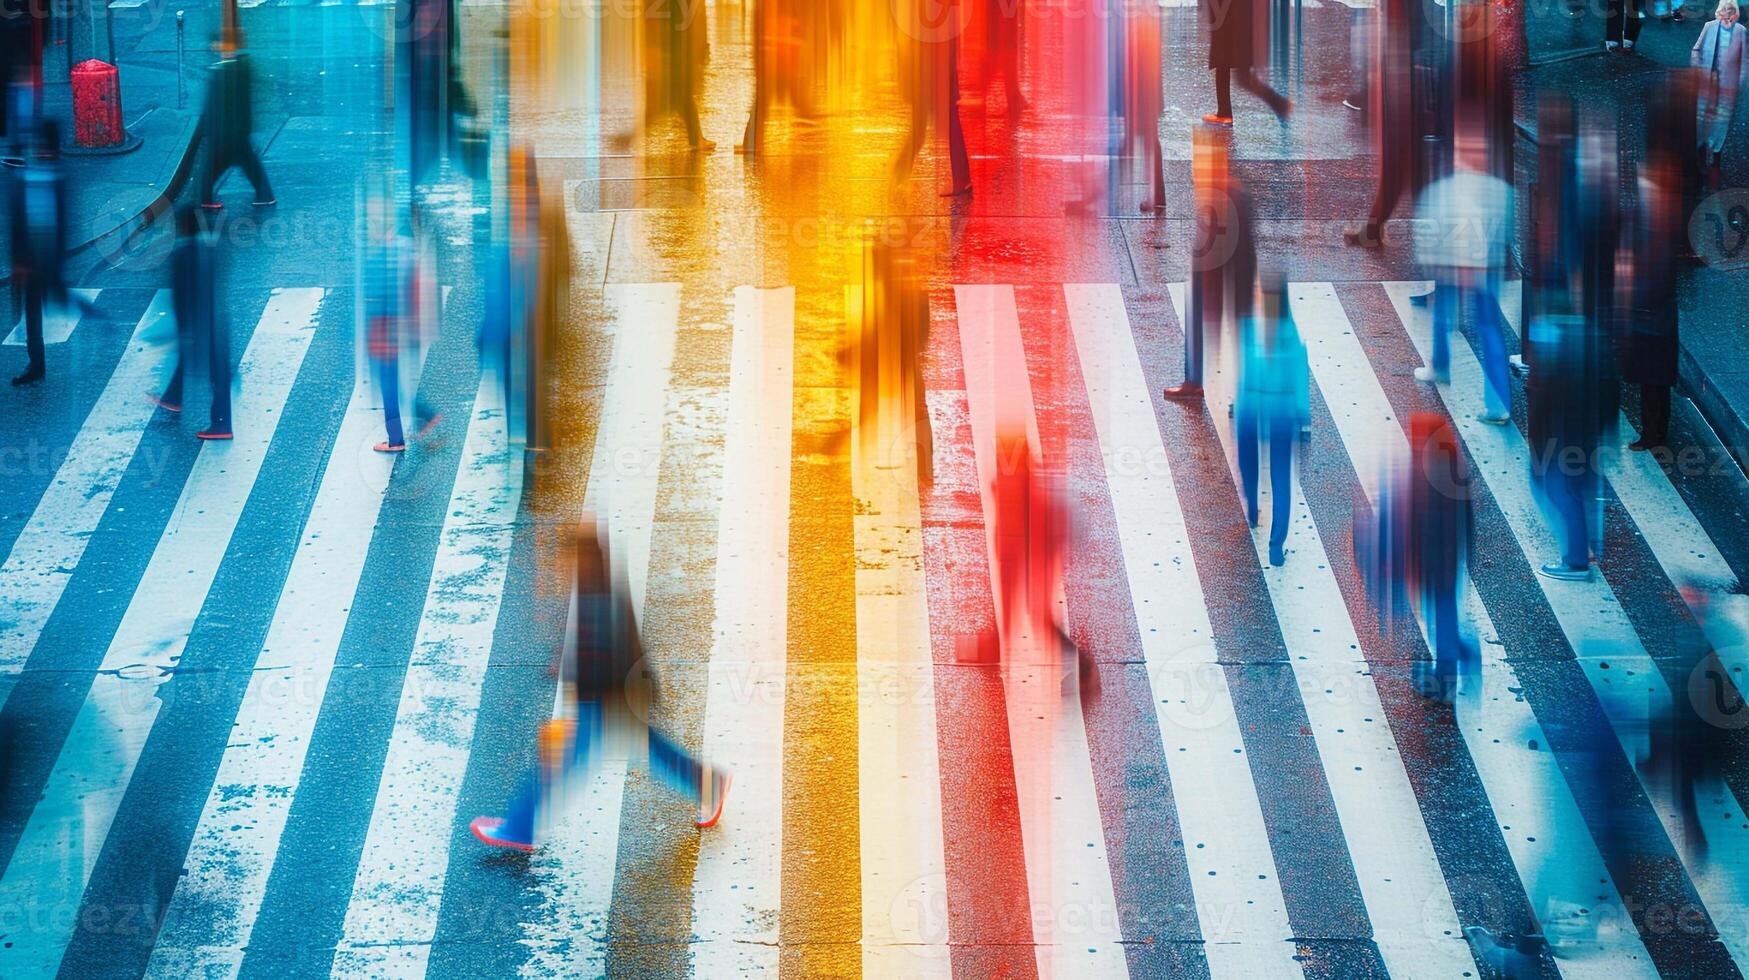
{"type": "Point", "coordinates": [1719, 54]}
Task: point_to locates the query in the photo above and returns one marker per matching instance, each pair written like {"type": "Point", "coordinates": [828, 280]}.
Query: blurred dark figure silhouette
{"type": "Point", "coordinates": [1400, 95]}
{"type": "Point", "coordinates": [1273, 402]}
{"type": "Point", "coordinates": [1690, 745]}
{"type": "Point", "coordinates": [1235, 31]}
{"type": "Point", "coordinates": [1553, 250]}
{"type": "Point", "coordinates": [202, 337]}
{"type": "Point", "coordinates": [1438, 539]}
{"type": "Point", "coordinates": [676, 51]}
{"type": "Point", "coordinates": [226, 125]}
{"type": "Point", "coordinates": [1223, 261]}
{"type": "Point", "coordinates": [1002, 20]}
{"type": "Point", "coordinates": [612, 690]}
{"type": "Point", "coordinates": [929, 73]}
{"type": "Point", "coordinates": [1649, 345]}
{"type": "Point", "coordinates": [1572, 404]}
{"type": "Point", "coordinates": [39, 239]}
{"type": "Point", "coordinates": [21, 43]}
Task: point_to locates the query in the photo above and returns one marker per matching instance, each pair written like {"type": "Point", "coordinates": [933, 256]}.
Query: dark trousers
{"type": "Point", "coordinates": [1281, 432]}
{"type": "Point", "coordinates": [34, 293]}
{"type": "Point", "coordinates": [1654, 414]}
{"type": "Point", "coordinates": [1248, 81]}
{"type": "Point", "coordinates": [1623, 21]}
{"type": "Point", "coordinates": [241, 155]}
{"type": "Point", "coordinates": [218, 361]}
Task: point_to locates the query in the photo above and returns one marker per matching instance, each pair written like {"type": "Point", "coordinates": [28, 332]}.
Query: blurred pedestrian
{"type": "Point", "coordinates": [1570, 407]}
{"type": "Point", "coordinates": [1235, 28]}
{"type": "Point", "coordinates": [393, 318]}
{"type": "Point", "coordinates": [676, 52]}
{"type": "Point", "coordinates": [783, 58]}
{"type": "Point", "coordinates": [1621, 28]}
{"type": "Point", "coordinates": [1718, 52]}
{"type": "Point", "coordinates": [1650, 348]}
{"type": "Point", "coordinates": [929, 73]}
{"type": "Point", "coordinates": [201, 333]}
{"type": "Point", "coordinates": [1464, 223]}
{"type": "Point", "coordinates": [612, 690]}
{"type": "Point", "coordinates": [1438, 528]}
{"type": "Point", "coordinates": [39, 239]}
{"type": "Point", "coordinates": [226, 126]}
{"type": "Point", "coordinates": [1398, 93]}
{"type": "Point", "coordinates": [1273, 402]}
{"type": "Point", "coordinates": [1001, 57]}
{"type": "Point", "coordinates": [1223, 261]}
{"type": "Point", "coordinates": [1143, 101]}
{"type": "Point", "coordinates": [1553, 250]}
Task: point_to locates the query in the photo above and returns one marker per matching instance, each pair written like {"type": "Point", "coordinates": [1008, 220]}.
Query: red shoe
{"type": "Point", "coordinates": [490, 831]}
{"type": "Point", "coordinates": [212, 436]}
{"type": "Point", "coordinates": [211, 205]}
{"type": "Point", "coordinates": [387, 447]}
{"type": "Point", "coordinates": [430, 424]}
{"type": "Point", "coordinates": [710, 805]}
{"type": "Point", "coordinates": [161, 403]}
{"type": "Point", "coordinates": [1216, 119]}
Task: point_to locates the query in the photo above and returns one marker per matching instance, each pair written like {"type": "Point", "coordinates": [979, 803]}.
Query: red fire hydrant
{"type": "Point", "coordinates": [96, 105]}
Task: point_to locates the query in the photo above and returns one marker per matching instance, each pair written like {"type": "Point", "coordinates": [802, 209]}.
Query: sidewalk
{"type": "Point", "coordinates": [1566, 54]}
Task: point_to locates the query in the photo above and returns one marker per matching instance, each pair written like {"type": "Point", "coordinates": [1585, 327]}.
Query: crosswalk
{"type": "Point", "coordinates": [1256, 791]}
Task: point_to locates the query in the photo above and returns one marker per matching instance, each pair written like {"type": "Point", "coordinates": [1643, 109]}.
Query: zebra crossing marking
{"type": "Point", "coordinates": [1591, 617]}
{"type": "Point", "coordinates": [1526, 788]}
{"type": "Point", "coordinates": [231, 854]}
{"type": "Point", "coordinates": [58, 321]}
{"type": "Point", "coordinates": [391, 919]}
{"type": "Point", "coordinates": [1068, 872]}
{"type": "Point", "coordinates": [61, 842]}
{"type": "Point", "coordinates": [1240, 907]}
{"type": "Point", "coordinates": [48, 549]}
{"type": "Point", "coordinates": [738, 879]}
{"type": "Point", "coordinates": [583, 846]}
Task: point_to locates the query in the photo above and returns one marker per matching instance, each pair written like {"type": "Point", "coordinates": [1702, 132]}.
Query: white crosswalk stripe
{"type": "Point", "coordinates": [48, 549]}
{"type": "Point", "coordinates": [60, 845]}
{"type": "Point", "coordinates": [58, 321]}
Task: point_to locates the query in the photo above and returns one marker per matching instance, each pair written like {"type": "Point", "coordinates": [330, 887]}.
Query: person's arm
{"type": "Point", "coordinates": [1694, 53]}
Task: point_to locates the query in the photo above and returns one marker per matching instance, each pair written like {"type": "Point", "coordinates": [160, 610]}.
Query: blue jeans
{"type": "Point", "coordinates": [1570, 495]}
{"type": "Point", "coordinates": [1281, 433]}
{"type": "Point", "coordinates": [671, 764]}
{"type": "Point", "coordinates": [1450, 297]}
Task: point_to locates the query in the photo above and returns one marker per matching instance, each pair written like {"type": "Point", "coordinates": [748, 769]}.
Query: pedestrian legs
{"type": "Point", "coordinates": [250, 161]}
{"type": "Point", "coordinates": [389, 374]}
{"type": "Point", "coordinates": [1282, 433]}
{"type": "Point", "coordinates": [1491, 336]}
{"type": "Point", "coordinates": [1247, 436]}
{"type": "Point", "coordinates": [1654, 415]}
{"type": "Point", "coordinates": [1446, 304]}
{"type": "Point", "coordinates": [1249, 81]}
{"type": "Point", "coordinates": [34, 293]}
{"type": "Point", "coordinates": [219, 371]}
{"type": "Point", "coordinates": [1566, 493]}
{"type": "Point", "coordinates": [1224, 92]}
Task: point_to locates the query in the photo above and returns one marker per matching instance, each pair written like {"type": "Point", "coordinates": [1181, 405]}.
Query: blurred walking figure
{"type": "Point", "coordinates": [1236, 29]}
{"type": "Point", "coordinates": [227, 123]}
{"type": "Point", "coordinates": [1554, 251]}
{"type": "Point", "coordinates": [527, 283]}
{"type": "Point", "coordinates": [393, 321]}
{"type": "Point", "coordinates": [39, 240]}
{"type": "Point", "coordinates": [1223, 261]}
{"type": "Point", "coordinates": [1650, 346]}
{"type": "Point", "coordinates": [1691, 745]}
{"type": "Point", "coordinates": [1438, 542]}
{"type": "Point", "coordinates": [783, 57]}
{"type": "Point", "coordinates": [1031, 531]}
{"type": "Point", "coordinates": [612, 692]}
{"type": "Point", "coordinates": [1718, 53]}
{"type": "Point", "coordinates": [1461, 237]}
{"type": "Point", "coordinates": [886, 360]}
{"type": "Point", "coordinates": [929, 72]}
{"type": "Point", "coordinates": [201, 326]}
{"type": "Point", "coordinates": [1399, 112]}
{"type": "Point", "coordinates": [1144, 101]}
{"type": "Point", "coordinates": [1274, 401]}
{"type": "Point", "coordinates": [1002, 21]}
{"type": "Point", "coordinates": [676, 51]}
{"type": "Point", "coordinates": [1621, 28]}
{"type": "Point", "coordinates": [1571, 400]}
